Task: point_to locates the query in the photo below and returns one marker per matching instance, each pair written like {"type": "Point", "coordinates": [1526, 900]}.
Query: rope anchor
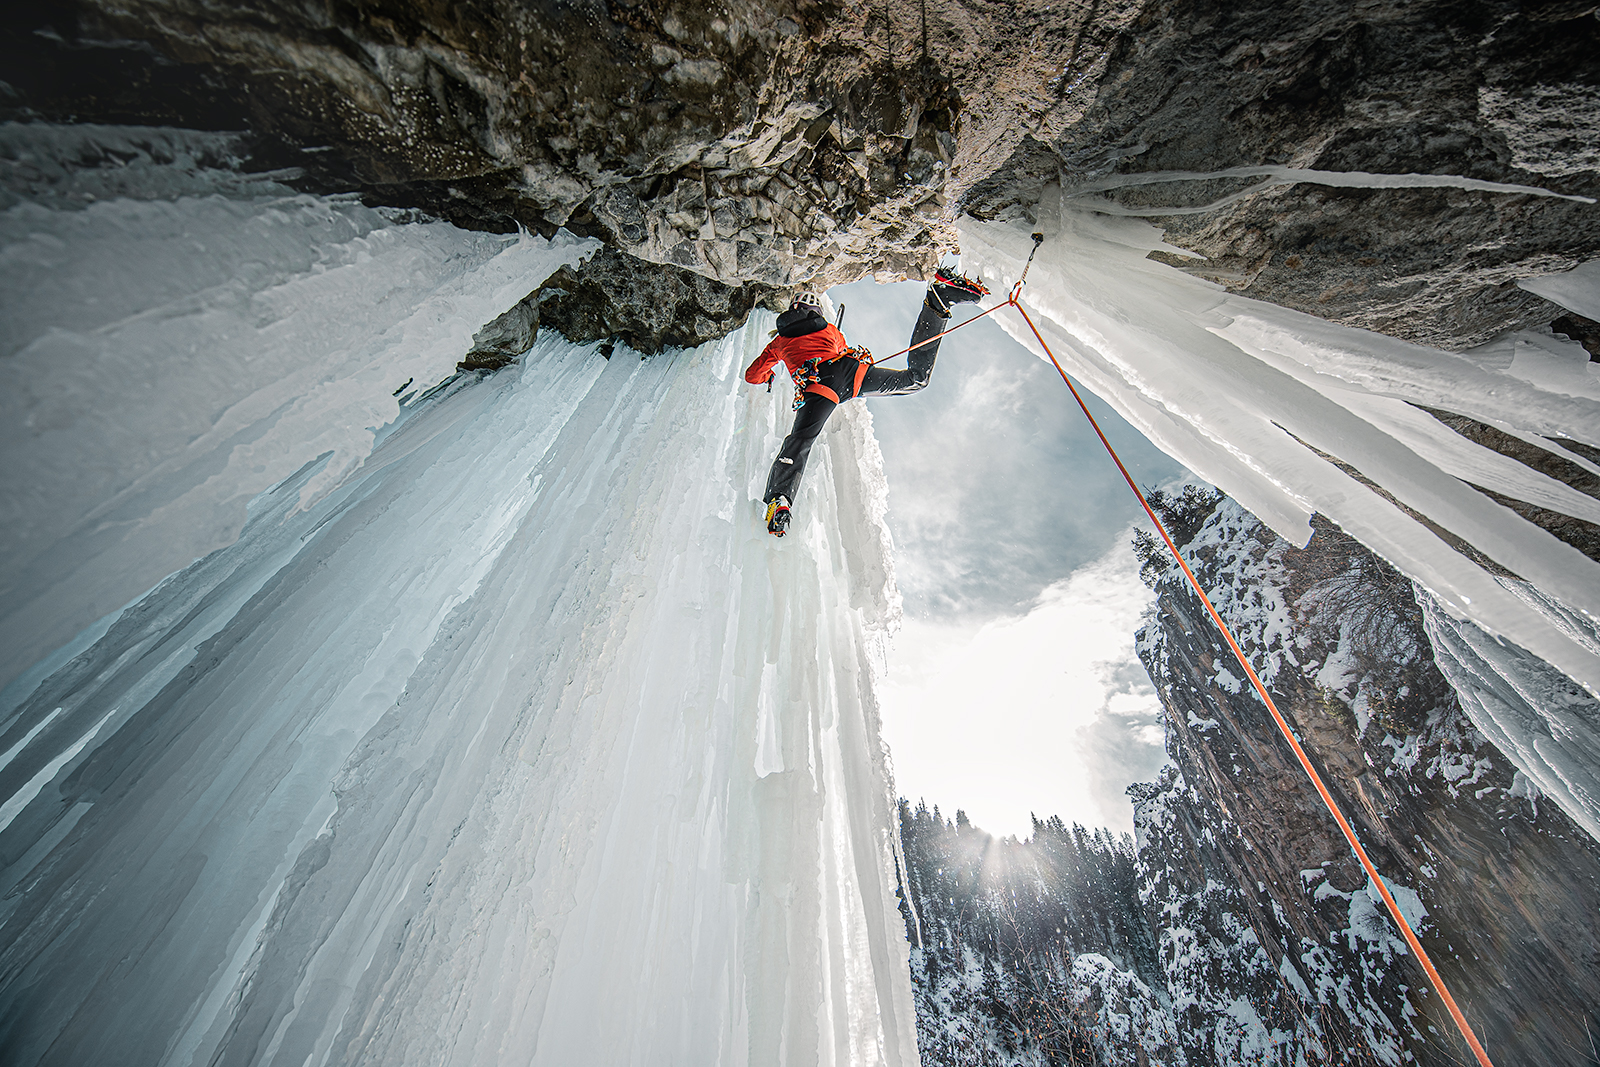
{"type": "Point", "coordinates": [1016, 290]}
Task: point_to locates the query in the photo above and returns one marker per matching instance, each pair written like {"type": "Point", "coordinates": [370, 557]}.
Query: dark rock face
{"type": "Point", "coordinates": [646, 305]}
{"type": "Point", "coordinates": [613, 296]}
{"type": "Point", "coordinates": [753, 142]}
{"type": "Point", "coordinates": [1584, 331]}
{"type": "Point", "coordinates": [501, 342]}
{"type": "Point", "coordinates": [804, 143]}
{"type": "Point", "coordinates": [1258, 897]}
{"type": "Point", "coordinates": [1488, 91]}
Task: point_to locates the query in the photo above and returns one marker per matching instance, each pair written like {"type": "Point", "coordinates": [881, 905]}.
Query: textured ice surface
{"type": "Point", "coordinates": [1247, 394]}
{"type": "Point", "coordinates": [525, 744]}
{"type": "Point", "coordinates": [1545, 724]}
{"type": "Point", "coordinates": [168, 359]}
{"type": "Point", "coordinates": [502, 733]}
{"type": "Point", "coordinates": [1577, 289]}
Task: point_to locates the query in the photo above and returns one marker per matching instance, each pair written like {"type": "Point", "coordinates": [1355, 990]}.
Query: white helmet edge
{"type": "Point", "coordinates": [812, 299]}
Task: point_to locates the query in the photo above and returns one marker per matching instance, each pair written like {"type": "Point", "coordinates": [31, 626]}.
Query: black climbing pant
{"type": "Point", "coordinates": [784, 480]}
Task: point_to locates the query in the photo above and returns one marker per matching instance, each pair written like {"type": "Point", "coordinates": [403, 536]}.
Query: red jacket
{"type": "Point", "coordinates": [826, 343]}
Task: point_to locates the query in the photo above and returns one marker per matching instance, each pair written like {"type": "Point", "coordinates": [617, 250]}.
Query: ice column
{"type": "Point", "coordinates": [1292, 414]}
{"type": "Point", "coordinates": [523, 744]}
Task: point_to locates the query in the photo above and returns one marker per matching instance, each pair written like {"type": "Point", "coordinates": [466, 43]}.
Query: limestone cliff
{"type": "Point", "coordinates": [804, 142]}
{"type": "Point", "coordinates": [1263, 911]}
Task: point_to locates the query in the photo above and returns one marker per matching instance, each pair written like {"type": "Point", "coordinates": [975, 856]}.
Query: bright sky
{"type": "Point", "coordinates": [1013, 688]}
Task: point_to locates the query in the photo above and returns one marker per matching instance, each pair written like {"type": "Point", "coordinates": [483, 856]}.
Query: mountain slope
{"type": "Point", "coordinates": [1266, 919]}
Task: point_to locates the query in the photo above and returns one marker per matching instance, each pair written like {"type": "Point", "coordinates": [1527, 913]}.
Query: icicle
{"type": "Point", "coordinates": [464, 756]}
{"type": "Point", "coordinates": [1279, 175]}
{"type": "Point", "coordinates": [1284, 411]}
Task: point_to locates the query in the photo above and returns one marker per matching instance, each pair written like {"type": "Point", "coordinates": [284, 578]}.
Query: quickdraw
{"type": "Point", "coordinates": [805, 379]}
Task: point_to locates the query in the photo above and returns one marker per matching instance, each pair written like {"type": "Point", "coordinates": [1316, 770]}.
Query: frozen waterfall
{"type": "Point", "coordinates": [1291, 414]}
{"type": "Point", "coordinates": [501, 733]}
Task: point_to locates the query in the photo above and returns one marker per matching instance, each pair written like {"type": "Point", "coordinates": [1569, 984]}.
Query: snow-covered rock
{"type": "Point", "coordinates": [1275, 943]}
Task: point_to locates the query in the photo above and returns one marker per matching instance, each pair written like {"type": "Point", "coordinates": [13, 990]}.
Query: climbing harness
{"type": "Point", "coordinates": [1013, 300]}
{"type": "Point", "coordinates": [809, 378]}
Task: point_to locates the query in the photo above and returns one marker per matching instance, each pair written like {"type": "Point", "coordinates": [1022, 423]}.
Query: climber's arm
{"type": "Point", "coordinates": [761, 371]}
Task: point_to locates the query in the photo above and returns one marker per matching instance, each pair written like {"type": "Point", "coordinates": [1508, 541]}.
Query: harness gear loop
{"type": "Point", "coordinates": [1283, 724]}
{"type": "Point", "coordinates": [810, 376]}
{"type": "Point", "coordinates": [807, 377]}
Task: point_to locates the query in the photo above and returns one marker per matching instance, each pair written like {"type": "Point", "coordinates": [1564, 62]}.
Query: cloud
{"type": "Point", "coordinates": [1047, 712]}
{"type": "Point", "coordinates": [997, 485]}
{"type": "Point", "coordinates": [1013, 687]}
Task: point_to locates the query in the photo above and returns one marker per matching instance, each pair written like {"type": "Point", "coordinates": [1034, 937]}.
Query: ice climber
{"type": "Point", "coordinates": [827, 372]}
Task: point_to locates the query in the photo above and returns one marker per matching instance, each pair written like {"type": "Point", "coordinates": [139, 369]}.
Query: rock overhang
{"type": "Point", "coordinates": [799, 144]}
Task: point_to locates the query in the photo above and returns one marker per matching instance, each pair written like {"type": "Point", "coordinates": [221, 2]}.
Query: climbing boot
{"type": "Point", "coordinates": [951, 287]}
{"type": "Point", "coordinates": [778, 515]}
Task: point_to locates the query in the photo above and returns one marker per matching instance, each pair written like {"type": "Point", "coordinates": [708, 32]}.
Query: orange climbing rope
{"type": "Point", "coordinates": [1283, 725]}
{"type": "Point", "coordinates": [941, 333]}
